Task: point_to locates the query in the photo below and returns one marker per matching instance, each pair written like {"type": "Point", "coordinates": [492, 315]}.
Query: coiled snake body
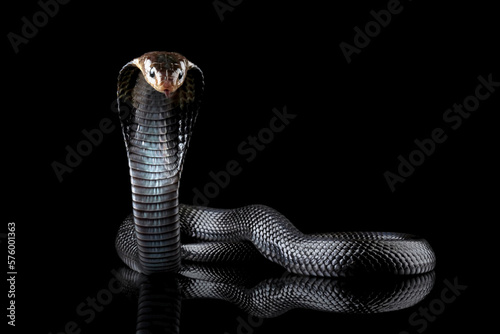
{"type": "Point", "coordinates": [159, 96]}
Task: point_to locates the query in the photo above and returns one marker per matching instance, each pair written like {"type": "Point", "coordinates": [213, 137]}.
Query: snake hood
{"type": "Point", "coordinates": [159, 94]}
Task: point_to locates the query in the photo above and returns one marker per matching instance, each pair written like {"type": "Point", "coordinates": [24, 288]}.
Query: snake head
{"type": "Point", "coordinates": [164, 71]}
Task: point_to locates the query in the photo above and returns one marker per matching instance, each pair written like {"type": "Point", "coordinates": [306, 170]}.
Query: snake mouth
{"type": "Point", "coordinates": [168, 89]}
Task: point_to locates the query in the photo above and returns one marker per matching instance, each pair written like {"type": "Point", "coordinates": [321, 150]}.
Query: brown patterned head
{"type": "Point", "coordinates": [164, 71]}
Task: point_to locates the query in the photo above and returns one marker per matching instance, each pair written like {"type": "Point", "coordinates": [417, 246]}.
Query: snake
{"type": "Point", "coordinates": [159, 96]}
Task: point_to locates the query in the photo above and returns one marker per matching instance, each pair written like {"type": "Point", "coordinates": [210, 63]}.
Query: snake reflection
{"type": "Point", "coordinates": [160, 297]}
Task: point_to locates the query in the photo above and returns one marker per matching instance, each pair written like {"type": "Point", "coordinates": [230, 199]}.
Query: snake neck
{"type": "Point", "coordinates": [155, 155]}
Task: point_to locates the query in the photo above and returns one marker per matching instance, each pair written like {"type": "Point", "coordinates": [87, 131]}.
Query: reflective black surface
{"type": "Point", "coordinates": [323, 169]}
{"type": "Point", "coordinates": [159, 297]}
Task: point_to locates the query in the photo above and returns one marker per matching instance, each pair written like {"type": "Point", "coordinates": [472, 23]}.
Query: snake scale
{"type": "Point", "coordinates": [159, 95]}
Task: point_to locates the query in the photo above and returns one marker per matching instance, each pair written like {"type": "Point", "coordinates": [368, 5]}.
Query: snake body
{"type": "Point", "coordinates": [159, 96]}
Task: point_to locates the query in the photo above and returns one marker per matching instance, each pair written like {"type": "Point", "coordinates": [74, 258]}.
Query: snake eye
{"type": "Point", "coordinates": [180, 76]}
{"type": "Point", "coordinates": [152, 73]}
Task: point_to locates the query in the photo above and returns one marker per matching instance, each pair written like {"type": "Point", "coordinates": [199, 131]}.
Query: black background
{"type": "Point", "coordinates": [324, 171]}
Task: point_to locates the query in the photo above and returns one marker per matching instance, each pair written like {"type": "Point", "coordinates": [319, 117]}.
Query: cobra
{"type": "Point", "coordinates": [159, 97]}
